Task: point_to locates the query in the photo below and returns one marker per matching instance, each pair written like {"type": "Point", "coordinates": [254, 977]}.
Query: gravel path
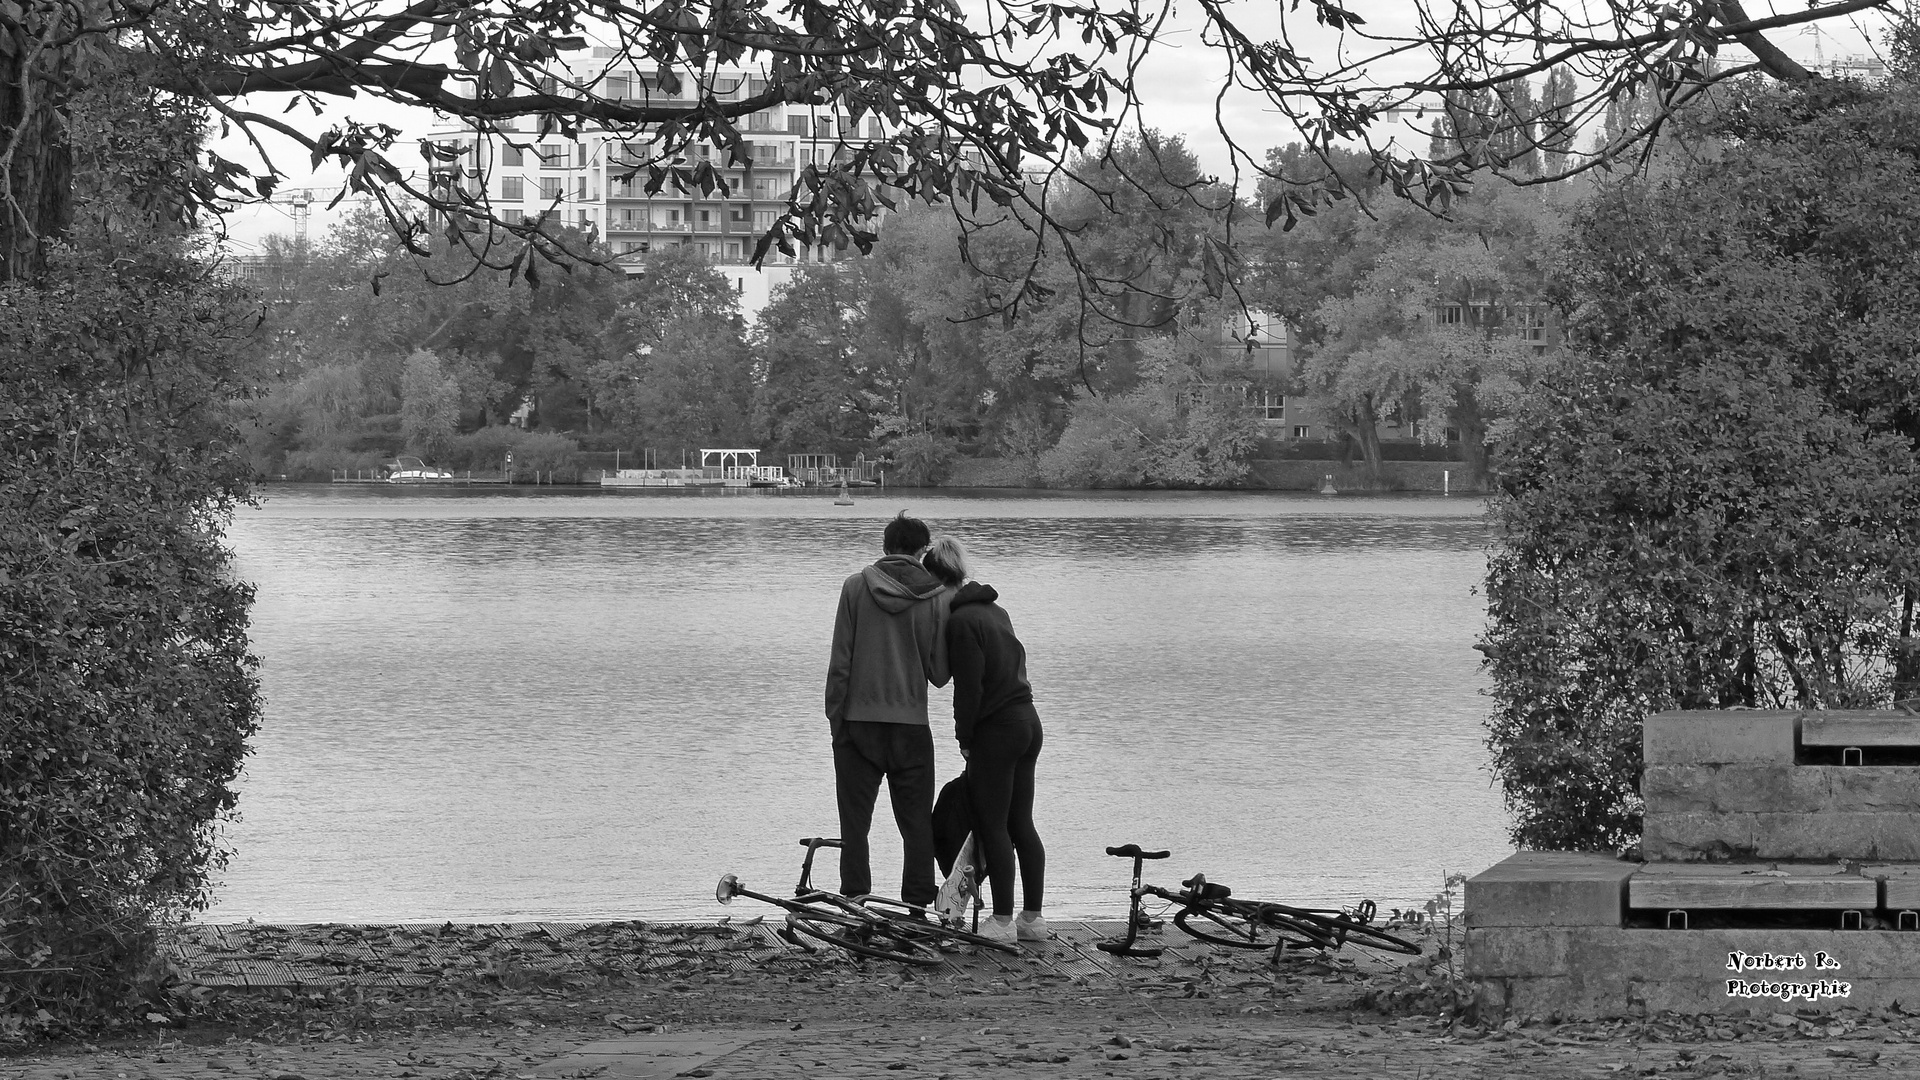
{"type": "Point", "coordinates": [778, 1016]}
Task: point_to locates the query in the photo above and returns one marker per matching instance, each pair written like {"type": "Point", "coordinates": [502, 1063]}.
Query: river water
{"type": "Point", "coordinates": [560, 704]}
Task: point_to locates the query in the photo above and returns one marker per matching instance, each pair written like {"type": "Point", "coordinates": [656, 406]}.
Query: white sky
{"type": "Point", "coordinates": [1177, 87]}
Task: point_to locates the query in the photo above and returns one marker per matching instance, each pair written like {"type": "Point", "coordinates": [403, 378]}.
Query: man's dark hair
{"type": "Point", "coordinates": [905, 535]}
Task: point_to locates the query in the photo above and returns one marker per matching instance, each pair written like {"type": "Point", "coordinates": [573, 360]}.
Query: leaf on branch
{"type": "Point", "coordinates": [324, 146]}
{"type": "Point", "coordinates": [499, 77]}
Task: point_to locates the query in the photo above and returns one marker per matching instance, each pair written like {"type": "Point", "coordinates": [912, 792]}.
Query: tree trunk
{"type": "Point", "coordinates": [36, 161]}
{"type": "Point", "coordinates": [1367, 434]}
{"type": "Point", "coordinates": [1466, 419]}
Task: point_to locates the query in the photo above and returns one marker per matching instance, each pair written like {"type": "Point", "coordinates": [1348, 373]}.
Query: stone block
{"type": "Point", "coordinates": [1735, 788]}
{"type": "Point", "coordinates": [1869, 788]}
{"type": "Point", "coordinates": [1686, 837]}
{"type": "Point", "coordinates": [1549, 888]}
{"type": "Point", "coordinates": [1823, 887]}
{"type": "Point", "coordinates": [1497, 998]}
{"type": "Point", "coordinates": [1860, 729]}
{"type": "Point", "coordinates": [1837, 835]}
{"type": "Point", "coordinates": [1624, 972]}
{"type": "Point", "coordinates": [1531, 951]}
{"type": "Point", "coordinates": [1753, 736]}
{"type": "Point", "coordinates": [1899, 885]}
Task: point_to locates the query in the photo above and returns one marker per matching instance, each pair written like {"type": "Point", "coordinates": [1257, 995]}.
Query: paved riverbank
{"type": "Point", "coordinates": [504, 1005]}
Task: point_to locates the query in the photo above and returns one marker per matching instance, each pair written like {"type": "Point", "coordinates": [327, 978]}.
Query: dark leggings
{"type": "Point", "coordinates": [1000, 766]}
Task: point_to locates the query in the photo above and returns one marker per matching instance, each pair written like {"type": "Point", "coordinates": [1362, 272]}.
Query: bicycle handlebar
{"type": "Point", "coordinates": [1132, 851]}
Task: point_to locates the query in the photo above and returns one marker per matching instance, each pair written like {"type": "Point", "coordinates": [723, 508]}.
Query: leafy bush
{"type": "Point", "coordinates": [922, 459]}
{"type": "Point", "coordinates": [1108, 443]}
{"type": "Point", "coordinates": [1178, 432]}
{"type": "Point", "coordinates": [544, 451]}
{"type": "Point", "coordinates": [485, 450]}
{"type": "Point", "coordinates": [128, 692]}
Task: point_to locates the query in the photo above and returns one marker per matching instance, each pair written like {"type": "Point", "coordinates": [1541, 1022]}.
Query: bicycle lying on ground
{"type": "Point", "coordinates": [868, 925]}
{"type": "Point", "coordinates": [1211, 913]}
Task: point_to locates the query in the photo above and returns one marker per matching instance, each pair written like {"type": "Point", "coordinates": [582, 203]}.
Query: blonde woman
{"type": "Point", "coordinates": [999, 734]}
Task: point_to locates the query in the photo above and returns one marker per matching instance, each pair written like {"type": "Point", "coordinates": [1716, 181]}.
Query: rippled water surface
{"type": "Point", "coordinates": [529, 704]}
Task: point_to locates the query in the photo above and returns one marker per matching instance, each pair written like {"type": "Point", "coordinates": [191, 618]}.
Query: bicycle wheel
{"type": "Point", "coordinates": [1241, 924]}
{"type": "Point", "coordinates": [863, 937]}
{"type": "Point", "coordinates": [1343, 929]}
{"type": "Point", "coordinates": [908, 922]}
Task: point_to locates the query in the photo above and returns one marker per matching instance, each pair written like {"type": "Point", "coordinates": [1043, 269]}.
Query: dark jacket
{"type": "Point", "coordinates": [889, 642]}
{"type": "Point", "coordinates": [988, 663]}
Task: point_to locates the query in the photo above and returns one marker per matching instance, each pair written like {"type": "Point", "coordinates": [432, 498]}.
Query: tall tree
{"type": "Point", "coordinates": [1557, 132]}
{"type": "Point", "coordinates": [671, 367]}
{"type": "Point", "coordinates": [1712, 502]}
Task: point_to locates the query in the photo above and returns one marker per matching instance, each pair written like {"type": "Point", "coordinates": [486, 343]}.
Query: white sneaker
{"type": "Point", "coordinates": [999, 928]}
{"type": "Point", "coordinates": [1031, 926]}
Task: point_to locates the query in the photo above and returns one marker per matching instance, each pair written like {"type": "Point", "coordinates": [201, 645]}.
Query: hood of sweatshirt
{"type": "Point", "coordinates": [898, 582]}
{"type": "Point", "coordinates": [975, 593]}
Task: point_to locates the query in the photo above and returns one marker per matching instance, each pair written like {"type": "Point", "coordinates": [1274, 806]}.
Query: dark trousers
{"type": "Point", "coordinates": [1000, 767]}
{"type": "Point", "coordinates": [903, 754]}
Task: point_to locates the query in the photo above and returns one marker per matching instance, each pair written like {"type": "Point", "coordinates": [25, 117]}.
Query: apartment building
{"type": "Point", "coordinates": [589, 180]}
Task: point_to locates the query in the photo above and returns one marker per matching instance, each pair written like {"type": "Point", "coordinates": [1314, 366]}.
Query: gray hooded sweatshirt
{"type": "Point", "coordinates": [889, 642]}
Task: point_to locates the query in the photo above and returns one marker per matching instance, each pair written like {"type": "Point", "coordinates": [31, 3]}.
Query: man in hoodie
{"type": "Point", "coordinates": [889, 642]}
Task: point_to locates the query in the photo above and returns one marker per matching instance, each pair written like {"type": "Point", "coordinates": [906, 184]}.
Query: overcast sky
{"type": "Point", "coordinates": [1178, 86]}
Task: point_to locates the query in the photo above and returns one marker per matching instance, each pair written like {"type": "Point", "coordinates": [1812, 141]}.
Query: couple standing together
{"type": "Point", "coordinates": [908, 620]}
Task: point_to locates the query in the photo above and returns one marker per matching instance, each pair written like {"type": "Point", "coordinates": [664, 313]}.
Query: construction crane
{"type": "Point", "coordinates": [297, 203]}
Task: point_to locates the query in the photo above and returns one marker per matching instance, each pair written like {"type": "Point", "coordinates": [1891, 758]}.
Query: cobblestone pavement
{"type": "Point", "coordinates": [500, 1012]}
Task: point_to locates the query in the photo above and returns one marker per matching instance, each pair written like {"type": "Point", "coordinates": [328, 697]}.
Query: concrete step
{"type": "Point", "coordinates": [1899, 884]}
{"type": "Point", "coordinates": [1781, 886]}
{"type": "Point", "coordinates": [1860, 729]}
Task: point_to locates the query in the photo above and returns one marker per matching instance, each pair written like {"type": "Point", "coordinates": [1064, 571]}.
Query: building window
{"type": "Point", "coordinates": [737, 213]}
{"type": "Point", "coordinates": [1530, 326]}
{"type": "Point", "coordinates": [823, 128]}
{"type": "Point", "coordinates": [1449, 315]}
{"type": "Point", "coordinates": [511, 155]}
{"type": "Point", "coordinates": [796, 125]}
{"type": "Point", "coordinates": [873, 127]}
{"type": "Point", "coordinates": [1267, 405]}
{"type": "Point", "coordinates": [550, 187]}
{"type": "Point", "coordinates": [512, 187]}
{"type": "Point", "coordinates": [1302, 431]}
{"type": "Point", "coordinates": [764, 188]}
{"type": "Point", "coordinates": [733, 251]}
{"type": "Point", "coordinates": [763, 219]}
{"type": "Point", "coordinates": [618, 89]}
{"type": "Point", "coordinates": [583, 189]}
{"type": "Point", "coordinates": [760, 121]}
{"type": "Point", "coordinates": [553, 155]}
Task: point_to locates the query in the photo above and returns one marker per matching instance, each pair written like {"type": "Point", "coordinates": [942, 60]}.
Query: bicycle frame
{"type": "Point", "coordinates": [1247, 924]}
{"type": "Point", "coordinates": [1137, 920]}
{"type": "Point", "coordinates": [917, 932]}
